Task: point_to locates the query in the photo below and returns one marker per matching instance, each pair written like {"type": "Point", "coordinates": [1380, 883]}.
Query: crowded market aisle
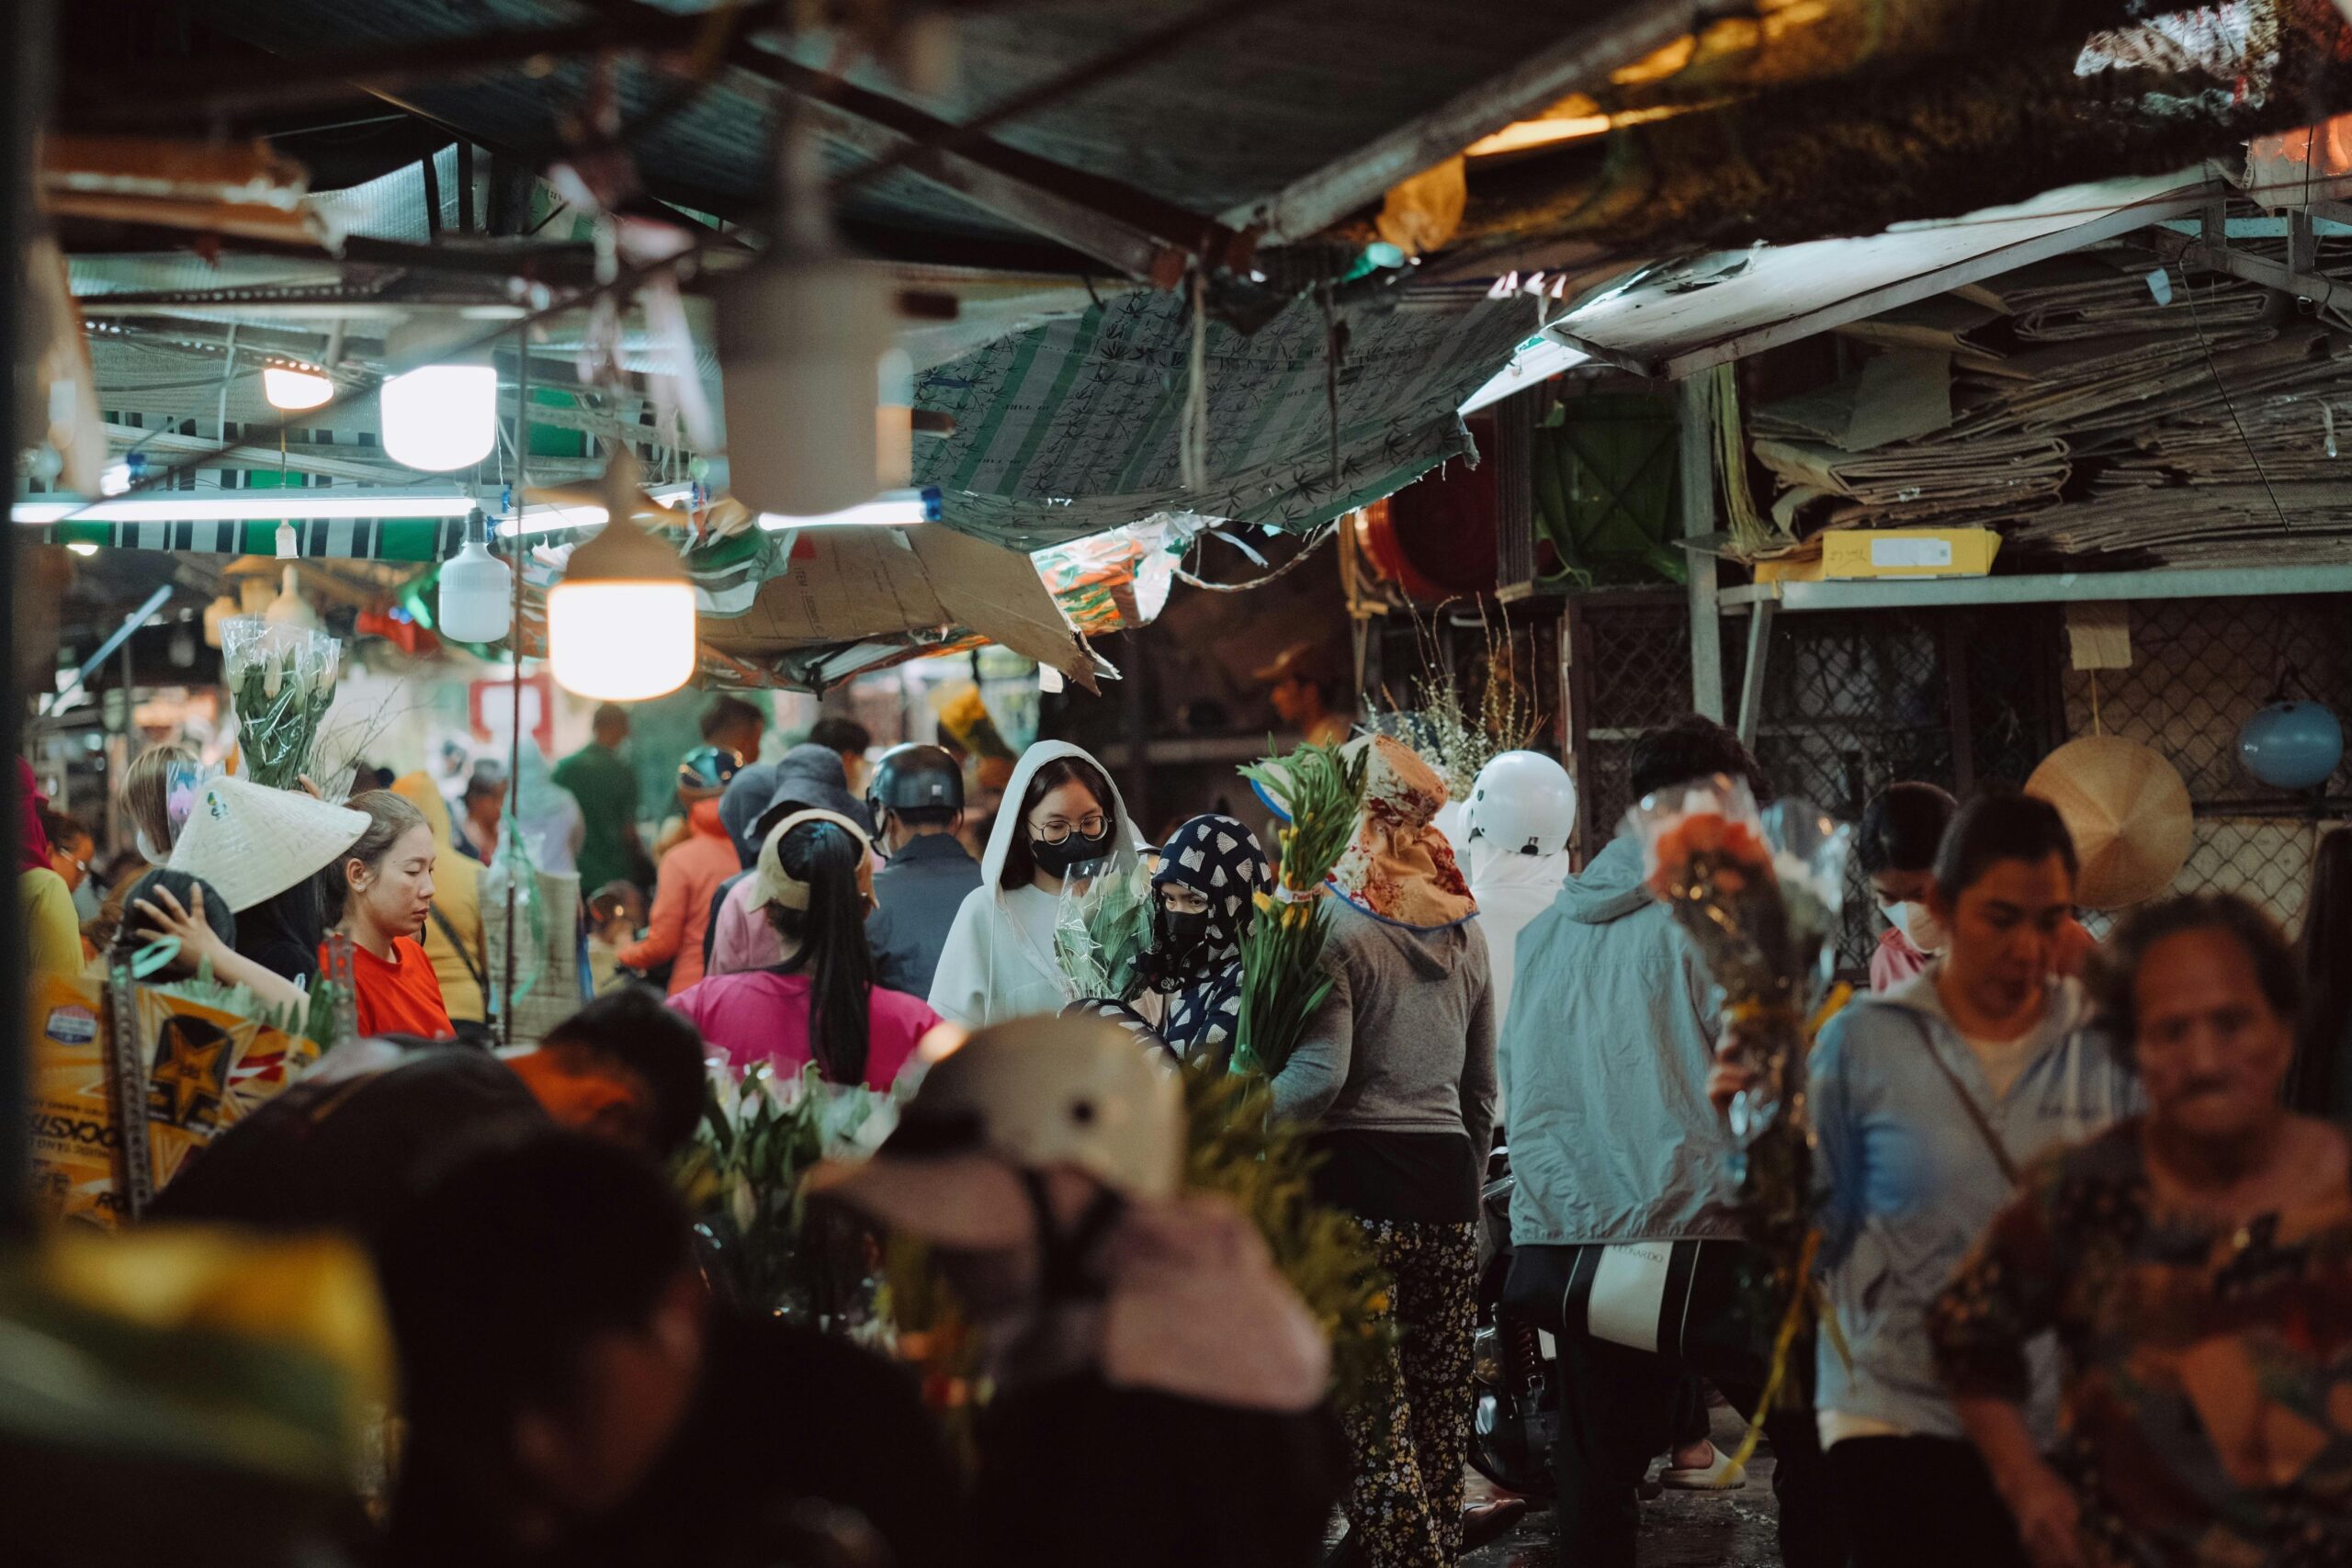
{"type": "Point", "coordinates": [893, 785]}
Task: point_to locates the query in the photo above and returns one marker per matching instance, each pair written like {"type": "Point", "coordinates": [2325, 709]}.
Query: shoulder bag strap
{"type": "Point", "coordinates": [1967, 1100]}
{"type": "Point", "coordinates": [463, 956]}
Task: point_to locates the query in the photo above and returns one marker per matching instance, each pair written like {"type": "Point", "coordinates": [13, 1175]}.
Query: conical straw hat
{"type": "Point", "coordinates": [252, 842]}
{"type": "Point", "coordinates": [2129, 812]}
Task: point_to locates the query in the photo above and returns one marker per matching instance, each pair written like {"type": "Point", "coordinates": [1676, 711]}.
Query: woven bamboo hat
{"type": "Point", "coordinates": [2129, 812]}
{"type": "Point", "coordinates": [252, 842]}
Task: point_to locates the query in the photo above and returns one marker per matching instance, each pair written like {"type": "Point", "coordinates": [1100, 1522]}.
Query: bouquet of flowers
{"type": "Point", "coordinates": [281, 680]}
{"type": "Point", "coordinates": [1758, 892]}
{"type": "Point", "coordinates": [760, 1134]}
{"type": "Point", "coordinates": [1319, 792]}
{"type": "Point", "coordinates": [1101, 930]}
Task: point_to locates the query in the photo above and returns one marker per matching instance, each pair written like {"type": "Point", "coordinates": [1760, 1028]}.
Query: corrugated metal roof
{"type": "Point", "coordinates": [1671, 321]}
{"type": "Point", "coordinates": [1233, 115]}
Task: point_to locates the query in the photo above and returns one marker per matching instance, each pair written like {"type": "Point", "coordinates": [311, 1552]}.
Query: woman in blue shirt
{"type": "Point", "coordinates": [1927, 1099]}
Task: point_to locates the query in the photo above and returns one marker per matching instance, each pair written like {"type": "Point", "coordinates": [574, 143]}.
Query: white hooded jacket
{"type": "Point", "coordinates": [999, 960]}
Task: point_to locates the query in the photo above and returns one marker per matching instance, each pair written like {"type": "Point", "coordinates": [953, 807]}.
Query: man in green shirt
{"type": "Point", "coordinates": [605, 783]}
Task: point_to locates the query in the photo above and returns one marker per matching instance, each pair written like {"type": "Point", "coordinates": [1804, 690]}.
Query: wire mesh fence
{"type": "Point", "coordinates": [1961, 697]}
{"type": "Point", "coordinates": [2200, 669]}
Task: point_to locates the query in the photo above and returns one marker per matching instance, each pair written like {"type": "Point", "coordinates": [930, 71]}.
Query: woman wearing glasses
{"type": "Point", "coordinates": [999, 960]}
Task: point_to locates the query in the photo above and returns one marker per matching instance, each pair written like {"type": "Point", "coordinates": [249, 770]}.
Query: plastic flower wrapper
{"type": "Point", "coordinates": [1102, 928]}
{"type": "Point", "coordinates": [761, 1132]}
{"type": "Point", "coordinates": [1758, 893]}
{"type": "Point", "coordinates": [281, 681]}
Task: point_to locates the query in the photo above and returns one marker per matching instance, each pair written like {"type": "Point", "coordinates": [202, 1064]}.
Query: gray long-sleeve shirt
{"type": "Point", "coordinates": [1406, 1041]}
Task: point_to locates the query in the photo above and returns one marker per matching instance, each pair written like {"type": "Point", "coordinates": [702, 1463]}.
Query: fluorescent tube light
{"type": "Point", "coordinates": [247, 506]}
{"type": "Point", "coordinates": [893, 509]}
{"type": "Point", "coordinates": [554, 519]}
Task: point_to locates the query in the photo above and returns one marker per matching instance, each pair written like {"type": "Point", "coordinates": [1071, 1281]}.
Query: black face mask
{"type": "Point", "coordinates": [1056, 860]}
{"type": "Point", "coordinates": [1180, 935]}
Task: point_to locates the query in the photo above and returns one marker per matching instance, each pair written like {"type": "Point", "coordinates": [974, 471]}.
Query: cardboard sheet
{"type": "Point", "coordinates": [846, 585]}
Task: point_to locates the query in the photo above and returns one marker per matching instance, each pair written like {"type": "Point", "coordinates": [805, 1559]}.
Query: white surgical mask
{"type": "Point", "coordinates": [1918, 925]}
{"type": "Point", "coordinates": [147, 850]}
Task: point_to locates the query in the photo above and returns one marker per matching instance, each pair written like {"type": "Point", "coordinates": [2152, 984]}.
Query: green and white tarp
{"type": "Point", "coordinates": [1074, 427]}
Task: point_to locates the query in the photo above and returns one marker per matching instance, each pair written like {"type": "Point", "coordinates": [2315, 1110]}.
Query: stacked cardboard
{"type": "Point", "coordinates": [2100, 403]}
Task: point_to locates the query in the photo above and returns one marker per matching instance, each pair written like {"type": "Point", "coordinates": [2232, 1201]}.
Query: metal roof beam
{"type": "Point", "coordinates": [1587, 54]}
{"type": "Point", "coordinates": [2270, 274]}
{"type": "Point", "coordinates": [1125, 228]}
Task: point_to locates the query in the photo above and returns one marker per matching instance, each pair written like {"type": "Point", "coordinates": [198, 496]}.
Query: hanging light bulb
{"type": "Point", "coordinates": [802, 333]}
{"type": "Point", "coordinates": [289, 608]}
{"type": "Point", "coordinates": [294, 390]}
{"type": "Point", "coordinates": [476, 599]}
{"type": "Point", "coordinates": [621, 623]}
{"type": "Point", "coordinates": [442, 415]}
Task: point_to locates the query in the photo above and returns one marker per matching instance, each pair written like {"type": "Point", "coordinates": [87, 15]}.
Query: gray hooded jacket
{"type": "Point", "coordinates": [1607, 1046]}
{"type": "Point", "coordinates": [1406, 1041]}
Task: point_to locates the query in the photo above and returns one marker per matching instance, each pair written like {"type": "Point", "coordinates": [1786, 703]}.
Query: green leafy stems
{"type": "Point", "coordinates": [1282, 980]}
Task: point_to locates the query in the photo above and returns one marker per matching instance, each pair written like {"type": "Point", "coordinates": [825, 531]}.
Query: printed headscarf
{"type": "Point", "coordinates": [1400, 869]}
{"type": "Point", "coordinates": [1220, 859]}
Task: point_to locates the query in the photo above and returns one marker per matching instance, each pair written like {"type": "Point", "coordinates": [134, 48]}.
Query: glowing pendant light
{"type": "Point", "coordinates": [477, 596]}
{"type": "Point", "coordinates": [439, 416]}
{"type": "Point", "coordinates": [621, 623]}
{"type": "Point", "coordinates": [801, 335]}
{"type": "Point", "coordinates": [294, 390]}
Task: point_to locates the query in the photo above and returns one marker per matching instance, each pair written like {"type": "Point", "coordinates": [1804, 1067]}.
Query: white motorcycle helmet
{"type": "Point", "coordinates": [1030, 1094]}
{"type": "Point", "coordinates": [1523, 803]}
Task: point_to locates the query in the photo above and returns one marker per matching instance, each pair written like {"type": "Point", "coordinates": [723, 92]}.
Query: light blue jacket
{"type": "Point", "coordinates": [1909, 1182]}
{"type": "Point", "coordinates": [1606, 1052]}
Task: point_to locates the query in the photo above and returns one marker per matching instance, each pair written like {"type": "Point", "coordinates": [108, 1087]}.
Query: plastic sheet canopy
{"type": "Point", "coordinates": [1075, 427]}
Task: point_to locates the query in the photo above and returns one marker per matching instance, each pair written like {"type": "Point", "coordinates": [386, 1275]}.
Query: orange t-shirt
{"type": "Point", "coordinates": [399, 997]}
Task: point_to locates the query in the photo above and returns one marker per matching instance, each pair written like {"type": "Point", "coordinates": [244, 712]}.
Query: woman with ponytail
{"type": "Point", "coordinates": [814, 887]}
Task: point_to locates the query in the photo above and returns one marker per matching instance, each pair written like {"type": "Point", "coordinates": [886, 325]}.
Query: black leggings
{"type": "Point", "coordinates": [1921, 1503]}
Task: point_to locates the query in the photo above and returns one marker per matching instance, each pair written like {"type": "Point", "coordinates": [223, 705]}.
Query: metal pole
{"type": "Point", "coordinates": [515, 648]}
{"type": "Point", "coordinates": [1695, 478]}
{"type": "Point", "coordinates": [1751, 680]}
{"type": "Point", "coordinates": [26, 69]}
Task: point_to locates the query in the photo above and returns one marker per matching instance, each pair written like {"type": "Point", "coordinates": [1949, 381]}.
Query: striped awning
{"type": "Point", "coordinates": [341, 538]}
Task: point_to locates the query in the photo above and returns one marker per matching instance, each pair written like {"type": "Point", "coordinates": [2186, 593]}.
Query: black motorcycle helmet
{"type": "Point", "coordinates": [914, 778]}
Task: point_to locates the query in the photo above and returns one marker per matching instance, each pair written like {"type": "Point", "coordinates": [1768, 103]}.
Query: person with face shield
{"type": "Point", "coordinates": [1160, 1385]}
{"type": "Point", "coordinates": [1204, 898]}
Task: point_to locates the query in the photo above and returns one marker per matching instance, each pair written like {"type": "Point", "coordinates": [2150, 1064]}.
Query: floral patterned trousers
{"type": "Point", "coordinates": [1410, 1431]}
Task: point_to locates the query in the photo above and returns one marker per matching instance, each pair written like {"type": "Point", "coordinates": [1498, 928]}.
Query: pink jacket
{"type": "Point", "coordinates": [761, 1016]}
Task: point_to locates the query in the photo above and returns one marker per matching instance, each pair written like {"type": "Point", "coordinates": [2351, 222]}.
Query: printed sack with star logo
{"type": "Point", "coordinates": [205, 1069]}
